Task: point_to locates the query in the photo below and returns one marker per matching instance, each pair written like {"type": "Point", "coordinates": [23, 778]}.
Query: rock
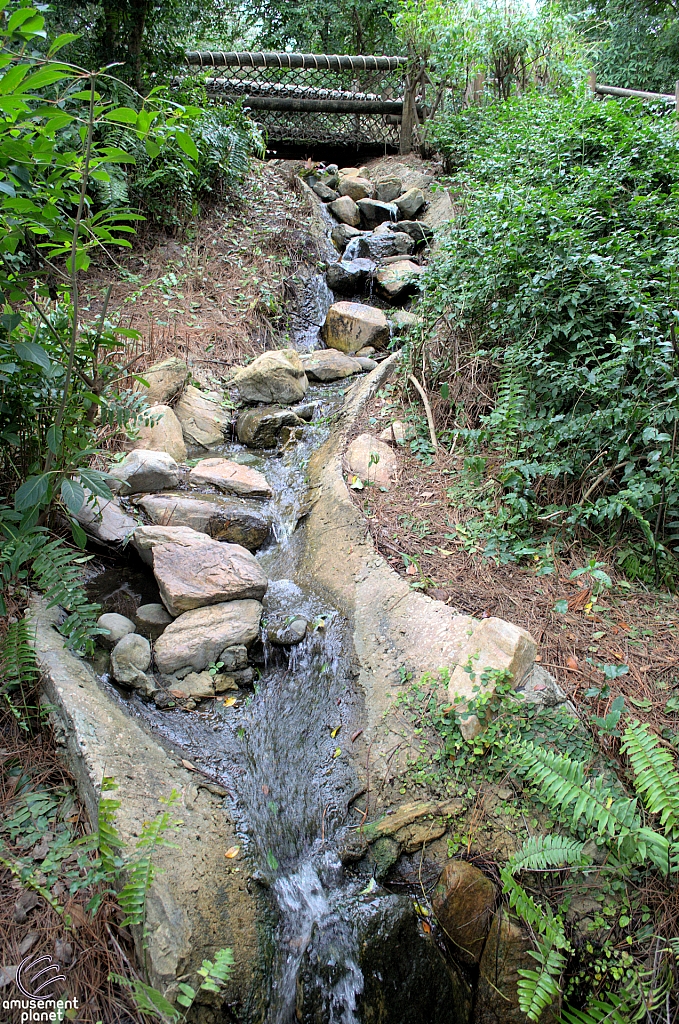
{"type": "Point", "coordinates": [410, 203]}
{"type": "Point", "coordinates": [287, 634]}
{"type": "Point", "coordinates": [414, 823]}
{"type": "Point", "coordinates": [142, 471]}
{"type": "Point", "coordinates": [348, 276]}
{"type": "Point", "coordinates": [218, 517]}
{"type": "Point", "coordinates": [325, 193]}
{"type": "Point", "coordinates": [231, 477]}
{"type": "Point", "coordinates": [151, 620]}
{"type": "Point", "coordinates": [372, 461]}
{"type": "Point", "coordinates": [118, 626]}
{"type": "Point", "coordinates": [367, 352]}
{"type": "Point", "coordinates": [234, 658]}
{"type": "Point", "coordinates": [206, 574]}
{"type": "Point", "coordinates": [388, 189]}
{"type": "Point", "coordinates": [105, 521]}
{"type": "Point", "coordinates": [146, 538]}
{"type": "Point", "coordinates": [417, 229]}
{"type": "Point", "coordinates": [203, 418]}
{"type": "Point", "coordinates": [505, 953]}
{"type": "Point", "coordinates": [366, 364]}
{"type": "Point", "coordinates": [375, 247]}
{"type": "Point", "coordinates": [259, 428]}
{"type": "Point", "coordinates": [198, 685]}
{"type": "Point", "coordinates": [439, 212]}
{"type": "Point", "coordinates": [234, 680]}
{"type": "Point", "coordinates": [494, 644]}
{"type": "Point", "coordinates": [395, 433]}
{"type": "Point", "coordinates": [401, 319]}
{"type": "Point", "coordinates": [276, 378]}
{"type": "Point", "coordinates": [351, 325]}
{"type": "Point", "coordinates": [355, 187]}
{"type": "Point", "coordinates": [165, 380]}
{"type": "Point", "coordinates": [305, 412]}
{"type": "Point", "coordinates": [346, 211]}
{"type": "Point", "coordinates": [374, 213]}
{"type": "Point", "coordinates": [130, 658]}
{"type": "Point", "coordinates": [399, 279]}
{"type": "Point", "coordinates": [342, 234]}
{"type": "Point", "coordinates": [196, 638]}
{"type": "Point", "coordinates": [165, 436]}
{"type": "Point", "coordinates": [463, 906]}
{"type": "Point", "coordinates": [329, 364]}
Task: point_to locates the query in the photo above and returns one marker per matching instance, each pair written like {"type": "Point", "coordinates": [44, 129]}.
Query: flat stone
{"type": "Point", "coordinates": [375, 247]}
{"type": "Point", "coordinates": [259, 428]}
{"type": "Point", "coordinates": [439, 212]}
{"type": "Point", "coordinates": [367, 365]}
{"type": "Point", "coordinates": [105, 521]}
{"type": "Point", "coordinates": [413, 822]}
{"type": "Point", "coordinates": [346, 276]}
{"type": "Point", "coordinates": [130, 658]}
{"type": "Point", "coordinates": [197, 685]}
{"type": "Point", "coordinates": [395, 433]}
{"type": "Point", "coordinates": [165, 380]}
{"type": "Point", "coordinates": [146, 538]}
{"type": "Point", "coordinates": [463, 906]}
{"type": "Point", "coordinates": [325, 193]}
{"type": "Point", "coordinates": [275, 378]}
{"type": "Point", "coordinates": [329, 364]}
{"type": "Point", "coordinates": [118, 626]}
{"type": "Point", "coordinates": [388, 189]}
{"type": "Point", "coordinates": [351, 325]}
{"type": "Point", "coordinates": [342, 234]}
{"type": "Point", "coordinates": [151, 620]}
{"type": "Point", "coordinates": [207, 574]}
{"type": "Point", "coordinates": [399, 279]}
{"type": "Point", "coordinates": [231, 477]}
{"type": "Point", "coordinates": [220, 518]}
{"type": "Point", "coordinates": [355, 187]}
{"type": "Point", "coordinates": [203, 418]}
{"type": "Point", "coordinates": [410, 203]}
{"type": "Point", "coordinates": [374, 213]}
{"type": "Point", "coordinates": [372, 461]}
{"type": "Point", "coordinates": [367, 352]}
{"type": "Point", "coordinates": [494, 644]}
{"type": "Point", "coordinates": [165, 435]}
{"type": "Point", "coordinates": [417, 229]}
{"type": "Point", "coordinates": [143, 471]}
{"type": "Point", "coordinates": [346, 211]}
{"type": "Point", "coordinates": [196, 638]}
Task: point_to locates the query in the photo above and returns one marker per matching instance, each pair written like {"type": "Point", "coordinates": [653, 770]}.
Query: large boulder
{"type": "Point", "coordinates": [350, 326]}
{"type": "Point", "coordinates": [357, 188]}
{"type": "Point", "coordinates": [506, 952]}
{"type": "Point", "coordinates": [231, 477]}
{"type": "Point", "coordinates": [218, 517]}
{"type": "Point", "coordinates": [373, 212]}
{"type": "Point", "coordinates": [144, 471]}
{"type": "Point", "coordinates": [324, 192]}
{"type": "Point", "coordinates": [105, 521]}
{"type": "Point", "coordinates": [417, 229]}
{"type": "Point", "coordinates": [387, 189]}
{"type": "Point", "coordinates": [439, 212]}
{"type": "Point", "coordinates": [276, 378]}
{"type": "Point", "coordinates": [399, 279]}
{"type": "Point", "coordinates": [203, 418]}
{"type": "Point", "coordinates": [165, 380]}
{"type": "Point", "coordinates": [410, 203]}
{"type": "Point", "coordinates": [463, 906]}
{"type": "Point", "coordinates": [342, 234]}
{"type": "Point", "coordinates": [197, 638]}
{"type": "Point", "coordinates": [329, 364]}
{"type": "Point", "coordinates": [346, 277]}
{"type": "Point", "coordinates": [146, 538]}
{"type": "Point", "coordinates": [259, 428]}
{"type": "Point", "coordinates": [206, 574]}
{"type": "Point", "coordinates": [372, 461]}
{"type": "Point", "coordinates": [130, 659]}
{"type": "Point", "coordinates": [165, 435]}
{"type": "Point", "coordinates": [117, 627]}
{"type": "Point", "coordinates": [346, 211]}
{"type": "Point", "coordinates": [371, 246]}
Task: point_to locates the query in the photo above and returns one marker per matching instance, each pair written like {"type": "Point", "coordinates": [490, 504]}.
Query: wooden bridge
{"type": "Point", "coordinates": [331, 99]}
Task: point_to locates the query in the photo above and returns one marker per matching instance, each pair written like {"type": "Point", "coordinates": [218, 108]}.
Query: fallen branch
{"type": "Point", "coordinates": [427, 409]}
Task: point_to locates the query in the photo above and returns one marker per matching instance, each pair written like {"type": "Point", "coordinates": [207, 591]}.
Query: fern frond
{"type": "Point", "coordinates": [610, 1010]}
{"type": "Point", "coordinates": [541, 918]}
{"type": "Point", "coordinates": [552, 851]}
{"type": "Point", "coordinates": [132, 897]}
{"type": "Point", "coordinates": [148, 999]}
{"type": "Point", "coordinates": [538, 989]}
{"type": "Point", "coordinates": [657, 779]}
{"type": "Point", "coordinates": [18, 666]}
{"type": "Point", "coordinates": [218, 973]}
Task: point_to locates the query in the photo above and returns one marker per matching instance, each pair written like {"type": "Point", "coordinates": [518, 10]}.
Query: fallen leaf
{"type": "Point", "coordinates": [623, 625]}
{"type": "Point", "coordinates": [426, 927]}
{"type": "Point", "coordinates": [232, 852]}
{"type": "Point", "coordinates": [191, 767]}
{"type": "Point", "coordinates": [333, 732]}
{"type": "Point", "coordinates": [411, 570]}
{"type": "Point", "coordinates": [572, 663]}
{"type": "Point", "coordinates": [427, 494]}
{"type": "Point", "coordinates": [229, 702]}
{"type": "Point", "coordinates": [446, 554]}
{"type": "Point", "coordinates": [356, 484]}
{"type": "Point", "coordinates": [77, 915]}
{"type": "Point", "coordinates": [337, 752]}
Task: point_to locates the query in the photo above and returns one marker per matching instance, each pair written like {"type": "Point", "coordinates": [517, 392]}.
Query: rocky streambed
{"type": "Point", "coordinates": [253, 650]}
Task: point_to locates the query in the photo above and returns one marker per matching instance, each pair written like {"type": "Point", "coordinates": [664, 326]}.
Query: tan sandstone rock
{"type": "Point", "coordinates": [198, 637]}
{"type": "Point", "coordinates": [463, 906]}
{"type": "Point", "coordinates": [357, 188]}
{"type": "Point", "coordinates": [231, 477]}
{"type": "Point", "coordinates": [346, 211]}
{"type": "Point", "coordinates": [146, 538]}
{"type": "Point", "coordinates": [165, 436]}
{"type": "Point", "coordinates": [372, 461]}
{"type": "Point", "coordinates": [400, 278]}
{"type": "Point", "coordinates": [220, 518]}
{"type": "Point", "coordinates": [329, 364]}
{"type": "Point", "coordinates": [349, 326]}
{"type": "Point", "coordinates": [206, 574]}
{"type": "Point", "coordinates": [276, 378]}
{"type": "Point", "coordinates": [203, 418]}
{"type": "Point", "coordinates": [165, 380]}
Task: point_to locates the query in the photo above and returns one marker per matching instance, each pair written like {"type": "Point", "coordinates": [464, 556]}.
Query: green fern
{"type": "Point", "coordinates": [132, 897]}
{"type": "Point", "coordinates": [541, 852]}
{"type": "Point", "coordinates": [538, 989]}
{"type": "Point", "coordinates": [150, 1001]}
{"type": "Point", "coordinates": [656, 777]}
{"type": "Point", "coordinates": [18, 666]}
{"type": "Point", "coordinates": [612, 1009]}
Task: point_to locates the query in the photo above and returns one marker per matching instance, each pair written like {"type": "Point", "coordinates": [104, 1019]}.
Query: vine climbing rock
{"type": "Point", "coordinates": [164, 434]}
{"type": "Point", "coordinates": [276, 378]}
{"type": "Point", "coordinates": [350, 326]}
{"type": "Point", "coordinates": [203, 418]}
{"type": "Point", "coordinates": [196, 638]}
{"type": "Point", "coordinates": [463, 906]}
{"type": "Point", "coordinates": [371, 461]}
{"type": "Point", "coordinates": [165, 380]}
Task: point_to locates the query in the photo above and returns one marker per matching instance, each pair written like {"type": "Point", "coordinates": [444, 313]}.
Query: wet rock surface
{"type": "Point", "coordinates": [196, 638]}
{"type": "Point", "coordinates": [463, 905]}
{"type": "Point", "coordinates": [231, 477]}
{"type": "Point", "coordinates": [260, 428]}
{"type": "Point", "coordinates": [219, 517]}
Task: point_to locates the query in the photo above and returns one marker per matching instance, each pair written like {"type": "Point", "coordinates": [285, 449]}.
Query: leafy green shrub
{"type": "Point", "coordinates": [558, 281]}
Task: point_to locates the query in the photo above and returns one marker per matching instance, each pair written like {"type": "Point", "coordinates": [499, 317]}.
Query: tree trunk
{"type": "Point", "coordinates": [138, 11]}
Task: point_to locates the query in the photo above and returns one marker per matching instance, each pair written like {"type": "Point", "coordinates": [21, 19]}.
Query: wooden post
{"type": "Point", "coordinates": [591, 82]}
{"type": "Point", "coordinates": [478, 87]}
{"type": "Point", "coordinates": [408, 117]}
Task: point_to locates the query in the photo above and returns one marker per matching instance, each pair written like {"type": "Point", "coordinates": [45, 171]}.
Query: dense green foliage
{"type": "Point", "coordinates": [557, 285]}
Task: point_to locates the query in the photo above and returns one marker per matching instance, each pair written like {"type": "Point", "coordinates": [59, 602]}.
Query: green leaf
{"type": "Point", "coordinates": [79, 535]}
{"type": "Point", "coordinates": [152, 148]}
{"type": "Point", "coordinates": [55, 437]}
{"type": "Point", "coordinates": [123, 115]}
{"type": "Point", "coordinates": [13, 78]}
{"type": "Point", "coordinates": [31, 352]}
{"type": "Point", "coordinates": [561, 607]}
{"type": "Point", "coordinates": [61, 41]}
{"type": "Point", "coordinates": [33, 492]}
{"type": "Point", "coordinates": [73, 495]}
{"type": "Point", "coordinates": [19, 17]}
{"type": "Point", "coordinates": [187, 145]}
